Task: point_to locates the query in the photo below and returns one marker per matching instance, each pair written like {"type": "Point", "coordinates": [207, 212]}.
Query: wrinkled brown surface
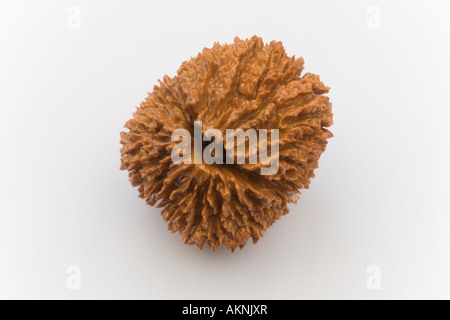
{"type": "Point", "coordinates": [246, 84]}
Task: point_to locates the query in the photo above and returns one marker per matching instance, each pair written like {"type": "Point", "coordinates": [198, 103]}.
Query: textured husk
{"type": "Point", "coordinates": [246, 84]}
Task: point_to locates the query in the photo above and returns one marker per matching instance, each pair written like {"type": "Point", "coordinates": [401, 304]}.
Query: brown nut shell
{"type": "Point", "coordinates": [246, 84]}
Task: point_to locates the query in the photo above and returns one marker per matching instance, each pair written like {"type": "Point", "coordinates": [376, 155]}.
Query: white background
{"type": "Point", "coordinates": [381, 192]}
